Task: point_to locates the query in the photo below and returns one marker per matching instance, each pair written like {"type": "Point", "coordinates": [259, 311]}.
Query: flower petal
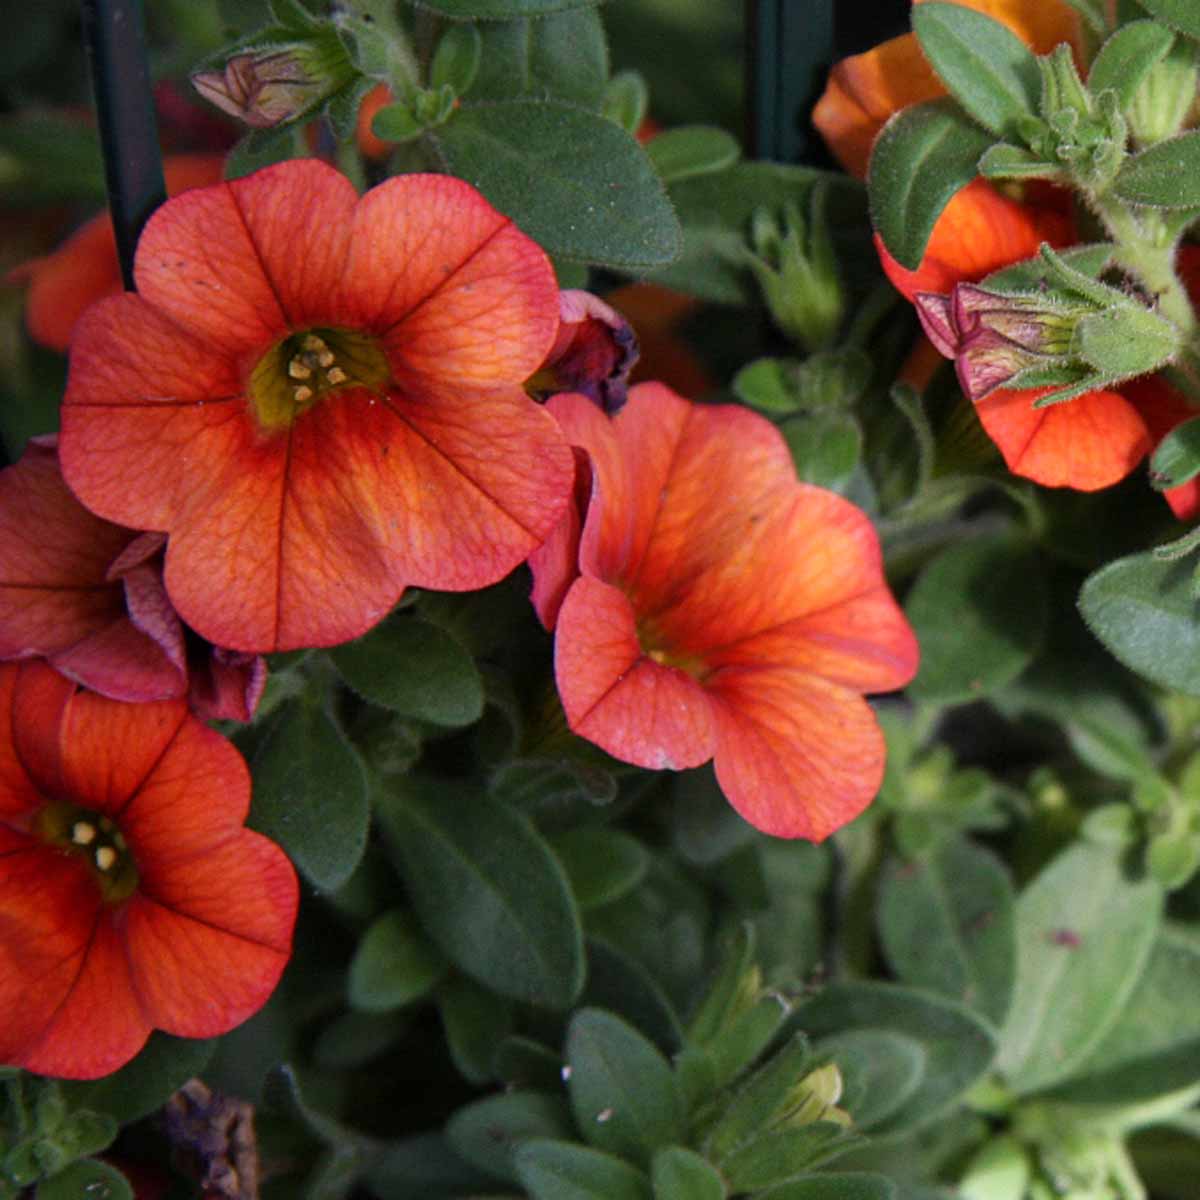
{"type": "Point", "coordinates": [979, 232]}
{"type": "Point", "coordinates": [143, 398]}
{"type": "Point", "coordinates": [461, 295]}
{"type": "Point", "coordinates": [638, 710]}
{"type": "Point", "coordinates": [19, 793]}
{"type": "Point", "coordinates": [1087, 443]}
{"type": "Point", "coordinates": [121, 662]}
{"type": "Point", "coordinates": [242, 263]}
{"type": "Point", "coordinates": [796, 755]}
{"type": "Point", "coordinates": [555, 563]}
{"type": "Point", "coordinates": [209, 937]}
{"type": "Point", "coordinates": [36, 700]}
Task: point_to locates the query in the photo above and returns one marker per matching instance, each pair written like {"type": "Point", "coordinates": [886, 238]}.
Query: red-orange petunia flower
{"type": "Point", "coordinates": [88, 596]}
{"type": "Point", "coordinates": [131, 896]}
{"type": "Point", "coordinates": [84, 268]}
{"type": "Point", "coordinates": [722, 609]}
{"type": "Point", "coordinates": [319, 399]}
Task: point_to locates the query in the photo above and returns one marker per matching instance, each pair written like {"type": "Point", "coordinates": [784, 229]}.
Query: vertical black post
{"type": "Point", "coordinates": [789, 49]}
{"type": "Point", "coordinates": [116, 47]}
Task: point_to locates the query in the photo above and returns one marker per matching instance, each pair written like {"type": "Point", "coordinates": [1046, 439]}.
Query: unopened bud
{"type": "Point", "coordinates": [267, 87]}
{"type": "Point", "coordinates": [1162, 104]}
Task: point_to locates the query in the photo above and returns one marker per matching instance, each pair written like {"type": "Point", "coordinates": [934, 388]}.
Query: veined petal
{"type": "Point", "coordinates": [121, 662]}
{"type": "Point", "coordinates": [639, 710]}
{"type": "Point", "coordinates": [19, 793]}
{"type": "Point", "coordinates": [36, 701]}
{"type": "Point", "coordinates": [796, 755]}
{"type": "Point", "coordinates": [555, 563]}
{"type": "Point", "coordinates": [242, 263]}
{"type": "Point", "coordinates": [142, 399]}
{"type": "Point", "coordinates": [193, 798]}
{"type": "Point", "coordinates": [461, 295]}
{"type": "Point", "coordinates": [979, 232]}
{"type": "Point", "coordinates": [208, 938]}
{"type": "Point", "coordinates": [53, 558]}
{"type": "Point", "coordinates": [1087, 443]}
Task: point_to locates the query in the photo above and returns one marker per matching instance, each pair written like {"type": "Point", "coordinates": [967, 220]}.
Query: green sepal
{"type": "Point", "coordinates": [922, 158]}
{"type": "Point", "coordinates": [1176, 459]}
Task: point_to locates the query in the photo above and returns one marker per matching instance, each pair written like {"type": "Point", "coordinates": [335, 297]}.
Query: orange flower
{"type": "Point", "coordinates": [864, 91]}
{"type": "Point", "coordinates": [88, 596]}
{"type": "Point", "coordinates": [131, 897]}
{"type": "Point", "coordinates": [319, 399]}
{"type": "Point", "coordinates": [84, 268]}
{"type": "Point", "coordinates": [721, 609]}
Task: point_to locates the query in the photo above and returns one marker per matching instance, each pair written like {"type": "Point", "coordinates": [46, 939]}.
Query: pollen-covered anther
{"type": "Point", "coordinates": [83, 833]}
{"type": "Point", "coordinates": [299, 370]}
{"type": "Point", "coordinates": [302, 394]}
{"type": "Point", "coordinates": [106, 857]}
{"type": "Point", "coordinates": [336, 375]}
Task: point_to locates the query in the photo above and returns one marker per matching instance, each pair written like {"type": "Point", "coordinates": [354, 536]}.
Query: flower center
{"type": "Point", "coordinates": [96, 839]}
{"type": "Point", "coordinates": [297, 371]}
{"type": "Point", "coordinates": [657, 648]}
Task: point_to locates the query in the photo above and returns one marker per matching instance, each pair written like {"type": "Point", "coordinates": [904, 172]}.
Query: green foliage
{"type": "Point", "coordinates": [1127, 57]}
{"type": "Point", "coordinates": [553, 1170]}
{"type": "Point", "coordinates": [86, 1178]}
{"type": "Point", "coordinates": [1179, 14]}
{"type": "Point", "coordinates": [393, 965]}
{"type": "Point", "coordinates": [1164, 175]}
{"type": "Point", "coordinates": [691, 150]}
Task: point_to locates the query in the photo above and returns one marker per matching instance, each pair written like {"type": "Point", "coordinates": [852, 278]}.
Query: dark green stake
{"type": "Point", "coordinates": [116, 46]}
{"type": "Point", "coordinates": [789, 50]}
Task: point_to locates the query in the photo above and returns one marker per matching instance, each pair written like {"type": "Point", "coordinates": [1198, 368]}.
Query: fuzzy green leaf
{"type": "Point", "coordinates": [1165, 175]}
{"type": "Point", "coordinates": [487, 888]}
{"type": "Point", "coordinates": [680, 1174]}
{"type": "Point", "coordinates": [1084, 934]}
{"type": "Point", "coordinates": [1179, 14]}
{"type": "Point", "coordinates": [851, 1186]}
{"type": "Point", "coordinates": [602, 864]}
{"type": "Point", "coordinates": [89, 1179]}
{"type": "Point", "coordinates": [880, 1072]}
{"type": "Point", "coordinates": [922, 158]}
{"type": "Point", "coordinates": [983, 64]}
{"type": "Point", "coordinates": [1177, 457]}
{"type": "Point", "coordinates": [947, 924]}
{"type": "Point", "coordinates": [393, 964]}
{"type": "Point", "coordinates": [488, 1132]}
{"type": "Point", "coordinates": [500, 10]}
{"type": "Point", "coordinates": [691, 150]}
{"type": "Point", "coordinates": [575, 182]}
{"type": "Point", "coordinates": [413, 668]}
{"type": "Point", "coordinates": [310, 795]}
{"type": "Point", "coordinates": [1127, 57]}
{"type": "Point", "coordinates": [552, 1170]}
{"type": "Point", "coordinates": [1142, 609]}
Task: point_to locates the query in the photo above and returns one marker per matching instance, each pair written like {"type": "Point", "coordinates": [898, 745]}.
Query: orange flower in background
{"type": "Point", "coordinates": [88, 596]}
{"type": "Point", "coordinates": [719, 608]}
{"type": "Point", "coordinates": [319, 399]}
{"type": "Point", "coordinates": [865, 90]}
{"type": "Point", "coordinates": [84, 268]}
{"type": "Point", "coordinates": [131, 896]}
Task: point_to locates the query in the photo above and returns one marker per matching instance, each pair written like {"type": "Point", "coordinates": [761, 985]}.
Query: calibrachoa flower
{"type": "Point", "coordinates": [1087, 443]}
{"type": "Point", "coordinates": [718, 608]}
{"type": "Point", "coordinates": [318, 397]}
{"type": "Point", "coordinates": [88, 596]}
{"type": "Point", "coordinates": [84, 268]}
{"type": "Point", "coordinates": [131, 897]}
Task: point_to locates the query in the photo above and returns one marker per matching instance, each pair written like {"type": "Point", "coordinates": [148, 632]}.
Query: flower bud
{"type": "Point", "coordinates": [1163, 102]}
{"type": "Point", "coordinates": [274, 84]}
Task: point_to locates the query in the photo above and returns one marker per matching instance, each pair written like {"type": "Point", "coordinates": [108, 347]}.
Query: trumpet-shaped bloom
{"type": "Point", "coordinates": [318, 397]}
{"type": "Point", "coordinates": [88, 596]}
{"type": "Point", "coordinates": [718, 608]}
{"type": "Point", "coordinates": [84, 268]}
{"type": "Point", "coordinates": [131, 896]}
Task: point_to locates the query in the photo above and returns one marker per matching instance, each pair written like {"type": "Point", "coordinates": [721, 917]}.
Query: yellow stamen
{"type": "Point", "coordinates": [83, 833]}
{"type": "Point", "coordinates": [336, 375]}
{"type": "Point", "coordinates": [313, 342]}
{"type": "Point", "coordinates": [105, 857]}
{"type": "Point", "coordinates": [301, 394]}
{"type": "Point", "coordinates": [297, 370]}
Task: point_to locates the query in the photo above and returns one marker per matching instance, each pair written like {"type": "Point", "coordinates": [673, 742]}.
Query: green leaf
{"type": "Point", "coordinates": [691, 150]}
{"type": "Point", "coordinates": [499, 10]}
{"type": "Point", "coordinates": [1029, 275]}
{"type": "Point", "coordinates": [563, 56]}
{"type": "Point", "coordinates": [353, 1039]}
{"type": "Point", "coordinates": [163, 1066]}
{"type": "Point", "coordinates": [626, 100]}
{"type": "Point", "coordinates": [393, 965]}
{"type": "Point", "coordinates": [958, 1046]}
{"type": "Point", "coordinates": [414, 668]}
{"type": "Point", "coordinates": [487, 888]}
{"type": "Point", "coordinates": [1154, 1046]}
{"type": "Point", "coordinates": [1084, 934]}
{"type": "Point", "coordinates": [947, 924]}
{"type": "Point", "coordinates": [310, 795]}
{"type": "Point", "coordinates": [826, 447]}
{"type": "Point", "coordinates": [1179, 14]}
{"type": "Point", "coordinates": [1165, 175]}
{"type": "Point", "coordinates": [572, 180]}
{"type": "Point", "coordinates": [86, 1179]}
{"type": "Point", "coordinates": [621, 984]}
{"type": "Point", "coordinates": [488, 1132]}
{"type": "Point", "coordinates": [680, 1174]}
{"type": "Point", "coordinates": [979, 611]}
{"type": "Point", "coordinates": [602, 864]}
{"type": "Point", "coordinates": [262, 148]}
{"type": "Point", "coordinates": [922, 157]}
{"type": "Point", "coordinates": [424, 1166]}
{"type": "Point", "coordinates": [1127, 57]}
{"type": "Point", "coordinates": [396, 123]}
{"type": "Point", "coordinates": [984, 65]}
{"type": "Point", "coordinates": [782, 1154]}
{"type": "Point", "coordinates": [1003, 161]}
{"type": "Point", "coordinates": [456, 60]}
{"type": "Point", "coordinates": [851, 1186]}
{"type": "Point", "coordinates": [622, 1089]}
{"type": "Point", "coordinates": [880, 1072]}
{"type": "Point", "coordinates": [1176, 459]}
{"type": "Point", "coordinates": [551, 1170]}
{"type": "Point", "coordinates": [769, 384]}
{"type": "Point", "coordinates": [475, 1022]}
{"type": "Point", "coordinates": [1143, 610]}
